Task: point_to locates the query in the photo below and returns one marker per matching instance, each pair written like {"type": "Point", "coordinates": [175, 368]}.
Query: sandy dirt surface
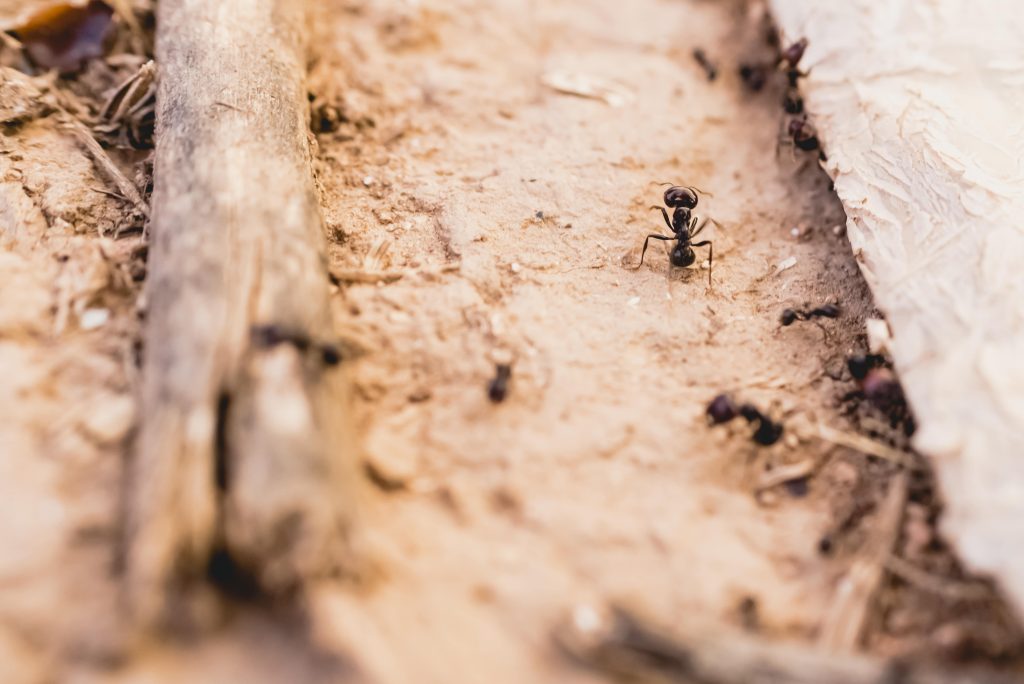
{"type": "Point", "coordinates": [477, 214]}
{"type": "Point", "coordinates": [597, 477]}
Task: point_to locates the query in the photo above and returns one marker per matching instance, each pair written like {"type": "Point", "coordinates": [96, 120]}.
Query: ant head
{"type": "Point", "coordinates": [795, 52]}
{"type": "Point", "coordinates": [799, 125]}
{"type": "Point", "coordinates": [678, 196]}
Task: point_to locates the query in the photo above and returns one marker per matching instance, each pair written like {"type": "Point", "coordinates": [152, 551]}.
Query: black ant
{"type": "Point", "coordinates": [790, 316]}
{"type": "Point", "coordinates": [723, 409]}
{"type": "Point", "coordinates": [270, 336]}
{"type": "Point", "coordinates": [754, 76]}
{"type": "Point", "coordinates": [497, 388]}
{"type": "Point", "coordinates": [789, 61]}
{"type": "Point", "coordinates": [682, 200]}
{"type": "Point", "coordinates": [804, 136]}
{"type": "Point", "coordinates": [878, 384]}
{"type": "Point", "coordinates": [799, 129]}
{"type": "Point", "coordinates": [705, 63]}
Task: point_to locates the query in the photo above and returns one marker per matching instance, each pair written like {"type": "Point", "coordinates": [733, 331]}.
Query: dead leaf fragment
{"type": "Point", "coordinates": [64, 35]}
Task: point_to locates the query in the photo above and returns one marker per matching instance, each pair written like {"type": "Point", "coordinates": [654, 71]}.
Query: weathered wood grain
{"type": "Point", "coordinates": [918, 106]}
{"type": "Point", "coordinates": [242, 450]}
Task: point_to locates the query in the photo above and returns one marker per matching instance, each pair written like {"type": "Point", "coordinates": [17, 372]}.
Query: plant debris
{"type": "Point", "coordinates": [65, 35]}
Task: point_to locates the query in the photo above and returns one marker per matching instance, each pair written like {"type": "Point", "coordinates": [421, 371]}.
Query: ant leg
{"type": "Point", "coordinates": [695, 233]}
{"type": "Point", "coordinates": [656, 237]}
{"type": "Point", "coordinates": [665, 214]}
{"type": "Point", "coordinates": [711, 256]}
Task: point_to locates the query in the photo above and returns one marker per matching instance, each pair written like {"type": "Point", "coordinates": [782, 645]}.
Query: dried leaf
{"type": "Point", "coordinates": [65, 35]}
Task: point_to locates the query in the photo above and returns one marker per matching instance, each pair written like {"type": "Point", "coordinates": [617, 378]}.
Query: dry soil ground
{"type": "Point", "coordinates": [449, 154]}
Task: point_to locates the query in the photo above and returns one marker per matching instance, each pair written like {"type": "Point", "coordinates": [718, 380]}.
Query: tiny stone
{"type": "Point", "coordinates": [93, 318]}
{"type": "Point", "coordinates": [515, 267]}
{"type": "Point", "coordinates": [109, 420]}
{"type": "Point", "coordinates": [587, 619]}
{"type": "Point", "coordinates": [368, 181]}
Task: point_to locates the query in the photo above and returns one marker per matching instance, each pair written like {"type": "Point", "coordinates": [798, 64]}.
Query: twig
{"type": "Point", "coordinates": [926, 581]}
{"type": "Point", "coordinates": [106, 164]}
{"type": "Point", "coordinates": [245, 454]}
{"type": "Point", "coordinates": [862, 444]}
{"type": "Point", "coordinates": [844, 624]}
{"type": "Point", "coordinates": [357, 275]}
{"type": "Point", "coordinates": [785, 473]}
{"type": "Point", "coordinates": [627, 648]}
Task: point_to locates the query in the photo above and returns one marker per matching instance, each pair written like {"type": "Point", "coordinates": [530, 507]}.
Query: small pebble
{"type": "Point", "coordinates": [515, 267]}
{"type": "Point", "coordinates": [785, 264]}
{"type": "Point", "coordinates": [93, 318]}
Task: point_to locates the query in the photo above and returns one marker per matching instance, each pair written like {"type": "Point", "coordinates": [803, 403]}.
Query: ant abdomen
{"type": "Point", "coordinates": [683, 257]}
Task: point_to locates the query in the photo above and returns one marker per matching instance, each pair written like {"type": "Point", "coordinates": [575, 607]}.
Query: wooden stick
{"type": "Point", "coordinates": [622, 645]}
{"type": "Point", "coordinates": [843, 627]}
{"type": "Point", "coordinates": [244, 450]}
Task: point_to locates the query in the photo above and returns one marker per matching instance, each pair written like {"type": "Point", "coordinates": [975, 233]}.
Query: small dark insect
{"type": "Point", "coordinates": [879, 386]}
{"type": "Point", "coordinates": [790, 316]}
{"type": "Point", "coordinates": [766, 431]}
{"type": "Point", "coordinates": [877, 383]}
{"type": "Point", "coordinates": [861, 364]}
{"type": "Point", "coordinates": [749, 614]}
{"type": "Point", "coordinates": [702, 59]}
{"type": "Point", "coordinates": [789, 61]}
{"type": "Point", "coordinates": [722, 409]}
{"type": "Point", "coordinates": [330, 354]}
{"type": "Point", "coordinates": [270, 336]}
{"type": "Point", "coordinates": [804, 135]}
{"type": "Point", "coordinates": [754, 76]}
{"type": "Point", "coordinates": [793, 102]}
{"type": "Point", "coordinates": [497, 388]}
{"type": "Point", "coordinates": [682, 200]}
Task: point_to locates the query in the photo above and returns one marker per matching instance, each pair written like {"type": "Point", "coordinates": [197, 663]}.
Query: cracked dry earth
{"type": "Point", "coordinates": [479, 214]}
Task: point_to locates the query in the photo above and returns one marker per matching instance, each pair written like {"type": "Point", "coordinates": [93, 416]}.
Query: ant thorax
{"type": "Point", "coordinates": [681, 220]}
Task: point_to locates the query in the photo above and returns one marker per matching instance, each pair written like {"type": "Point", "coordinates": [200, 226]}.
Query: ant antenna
{"type": "Point", "coordinates": [690, 187]}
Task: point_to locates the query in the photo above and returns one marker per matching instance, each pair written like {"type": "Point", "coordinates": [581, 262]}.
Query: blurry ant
{"type": "Point", "coordinates": [754, 76]}
{"type": "Point", "coordinates": [789, 62]}
{"type": "Point", "coordinates": [497, 388]}
{"type": "Point", "coordinates": [803, 136]}
{"type": "Point", "coordinates": [270, 336]}
{"type": "Point", "coordinates": [790, 316]}
{"type": "Point", "coordinates": [682, 200]}
{"type": "Point", "coordinates": [878, 384]}
{"type": "Point", "coordinates": [701, 57]}
{"type": "Point", "coordinates": [723, 409]}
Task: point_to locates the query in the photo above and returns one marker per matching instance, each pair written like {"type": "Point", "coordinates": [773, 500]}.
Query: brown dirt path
{"type": "Point", "coordinates": [514, 214]}
{"type": "Point", "coordinates": [597, 477]}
